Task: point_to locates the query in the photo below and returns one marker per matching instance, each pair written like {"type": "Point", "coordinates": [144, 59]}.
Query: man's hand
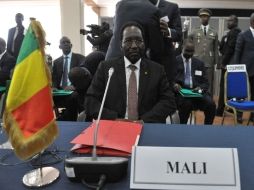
{"type": "Point", "coordinates": [177, 87]}
{"type": "Point", "coordinates": [197, 90]}
{"type": "Point", "coordinates": [164, 28]}
{"type": "Point", "coordinates": [69, 88]}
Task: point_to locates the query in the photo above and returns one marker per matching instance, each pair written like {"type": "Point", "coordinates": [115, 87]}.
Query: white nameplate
{"type": "Point", "coordinates": [180, 168]}
{"type": "Point", "coordinates": [236, 68]}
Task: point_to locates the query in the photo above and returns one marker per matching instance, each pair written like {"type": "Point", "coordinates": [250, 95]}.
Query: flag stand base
{"type": "Point", "coordinates": [40, 177]}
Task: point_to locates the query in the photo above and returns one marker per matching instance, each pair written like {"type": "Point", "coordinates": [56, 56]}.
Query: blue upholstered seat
{"type": "Point", "coordinates": [237, 91]}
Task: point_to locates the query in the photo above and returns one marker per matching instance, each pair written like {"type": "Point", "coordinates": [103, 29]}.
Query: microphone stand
{"type": "Point", "coordinates": [94, 153]}
{"type": "Point", "coordinates": [96, 169]}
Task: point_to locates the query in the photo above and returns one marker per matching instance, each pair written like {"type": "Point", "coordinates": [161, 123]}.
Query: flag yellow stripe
{"type": "Point", "coordinates": [28, 79]}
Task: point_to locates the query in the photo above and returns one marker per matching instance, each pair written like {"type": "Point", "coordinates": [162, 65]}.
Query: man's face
{"type": "Point", "coordinates": [65, 45]}
{"type": "Point", "coordinates": [231, 22]}
{"type": "Point", "coordinates": [133, 45]}
{"type": "Point", "coordinates": [19, 19]}
{"type": "Point", "coordinates": [204, 19]}
{"type": "Point", "coordinates": [188, 51]}
{"type": "Point", "coordinates": [2, 46]}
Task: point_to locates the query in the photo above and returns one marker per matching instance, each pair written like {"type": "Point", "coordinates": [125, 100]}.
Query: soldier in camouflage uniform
{"type": "Point", "coordinates": [205, 39]}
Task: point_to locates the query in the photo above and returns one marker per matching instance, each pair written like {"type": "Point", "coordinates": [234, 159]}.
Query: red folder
{"type": "Point", "coordinates": [115, 138]}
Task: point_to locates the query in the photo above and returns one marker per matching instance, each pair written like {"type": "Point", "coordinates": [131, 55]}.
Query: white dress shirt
{"type": "Point", "coordinates": [184, 62]}
{"type": "Point", "coordinates": [69, 65]}
{"type": "Point", "coordinates": [252, 31]}
{"type": "Point", "coordinates": [2, 54]}
{"type": "Point", "coordinates": [128, 74]}
{"type": "Point", "coordinates": [203, 28]}
{"type": "Point", "coordinates": [157, 4]}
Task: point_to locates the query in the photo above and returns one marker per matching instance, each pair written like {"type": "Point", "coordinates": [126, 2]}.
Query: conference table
{"type": "Point", "coordinates": [240, 137]}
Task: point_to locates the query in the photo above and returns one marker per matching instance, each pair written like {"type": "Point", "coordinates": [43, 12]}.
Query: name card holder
{"type": "Point", "coordinates": [184, 168]}
{"type": "Point", "coordinates": [236, 68]}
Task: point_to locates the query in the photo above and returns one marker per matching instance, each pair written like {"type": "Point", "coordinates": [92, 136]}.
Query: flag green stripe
{"type": "Point", "coordinates": [29, 45]}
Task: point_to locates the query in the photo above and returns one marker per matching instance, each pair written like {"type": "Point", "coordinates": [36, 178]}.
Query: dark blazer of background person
{"type": "Point", "coordinates": [227, 46]}
{"type": "Point", "coordinates": [76, 60]}
{"type": "Point", "coordinates": [244, 51]}
{"type": "Point", "coordinates": [197, 80]}
{"type": "Point", "coordinates": [18, 40]}
{"type": "Point", "coordinates": [146, 14]}
{"type": "Point", "coordinates": [7, 63]}
{"type": "Point", "coordinates": [168, 59]}
{"type": "Point", "coordinates": [155, 99]}
{"type": "Point", "coordinates": [204, 103]}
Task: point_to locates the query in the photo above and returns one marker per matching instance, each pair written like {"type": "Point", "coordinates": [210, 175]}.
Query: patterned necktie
{"type": "Point", "coordinates": [187, 74]}
{"type": "Point", "coordinates": [132, 95]}
{"type": "Point", "coordinates": [65, 72]}
{"type": "Point", "coordinates": [205, 30]}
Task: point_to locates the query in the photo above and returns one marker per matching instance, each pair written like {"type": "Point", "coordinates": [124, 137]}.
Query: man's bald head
{"type": "Point", "coordinates": [2, 45]}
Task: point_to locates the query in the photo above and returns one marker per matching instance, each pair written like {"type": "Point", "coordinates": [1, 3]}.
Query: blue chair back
{"type": "Point", "coordinates": [237, 85]}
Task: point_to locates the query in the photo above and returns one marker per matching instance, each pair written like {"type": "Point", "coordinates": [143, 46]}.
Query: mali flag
{"type": "Point", "coordinates": [29, 118]}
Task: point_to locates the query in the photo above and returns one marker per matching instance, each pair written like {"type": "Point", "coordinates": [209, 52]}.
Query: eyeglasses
{"type": "Point", "coordinates": [136, 41]}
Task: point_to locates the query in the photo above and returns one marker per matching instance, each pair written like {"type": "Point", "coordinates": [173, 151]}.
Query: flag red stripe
{"type": "Point", "coordinates": [34, 114]}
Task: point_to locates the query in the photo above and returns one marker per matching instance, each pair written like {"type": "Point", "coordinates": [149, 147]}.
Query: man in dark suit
{"type": "Point", "coordinates": [16, 36]}
{"type": "Point", "coordinates": [191, 74]}
{"type": "Point", "coordinates": [138, 89]}
{"type": "Point", "coordinates": [171, 28]}
{"type": "Point", "coordinates": [60, 79]}
{"type": "Point", "coordinates": [244, 54]}
{"type": "Point", "coordinates": [146, 14]}
{"type": "Point", "coordinates": [63, 64]}
{"type": "Point", "coordinates": [7, 63]}
{"type": "Point", "coordinates": [162, 24]}
{"type": "Point", "coordinates": [227, 49]}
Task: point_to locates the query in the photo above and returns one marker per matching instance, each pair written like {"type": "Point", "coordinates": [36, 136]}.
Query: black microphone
{"type": "Point", "coordinates": [97, 169]}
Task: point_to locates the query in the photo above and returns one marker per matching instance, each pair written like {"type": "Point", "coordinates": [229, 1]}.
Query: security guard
{"type": "Point", "coordinates": [205, 39]}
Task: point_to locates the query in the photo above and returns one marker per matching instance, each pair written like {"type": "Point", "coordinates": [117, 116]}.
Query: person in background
{"type": "Point", "coordinates": [63, 64]}
{"type": "Point", "coordinates": [93, 60]}
{"type": "Point", "coordinates": [7, 63]}
{"type": "Point", "coordinates": [244, 54]}
{"type": "Point", "coordinates": [191, 74]}
{"type": "Point", "coordinates": [205, 39]}
{"type": "Point", "coordinates": [80, 78]}
{"type": "Point", "coordinates": [138, 89]}
{"type": "Point", "coordinates": [61, 80]}
{"type": "Point", "coordinates": [171, 28]}
{"type": "Point", "coordinates": [144, 13]}
{"type": "Point", "coordinates": [16, 36]}
{"type": "Point", "coordinates": [227, 49]}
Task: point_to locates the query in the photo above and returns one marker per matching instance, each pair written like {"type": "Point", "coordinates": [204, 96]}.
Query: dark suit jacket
{"type": "Point", "coordinates": [7, 63]}
{"type": "Point", "coordinates": [198, 73]}
{"type": "Point", "coordinates": [244, 51]}
{"type": "Point", "coordinates": [17, 43]}
{"type": "Point", "coordinates": [76, 60]}
{"type": "Point", "coordinates": [172, 11]}
{"type": "Point", "coordinates": [155, 100]}
{"type": "Point", "coordinates": [146, 14]}
{"type": "Point", "coordinates": [227, 46]}
{"type": "Point", "coordinates": [167, 56]}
